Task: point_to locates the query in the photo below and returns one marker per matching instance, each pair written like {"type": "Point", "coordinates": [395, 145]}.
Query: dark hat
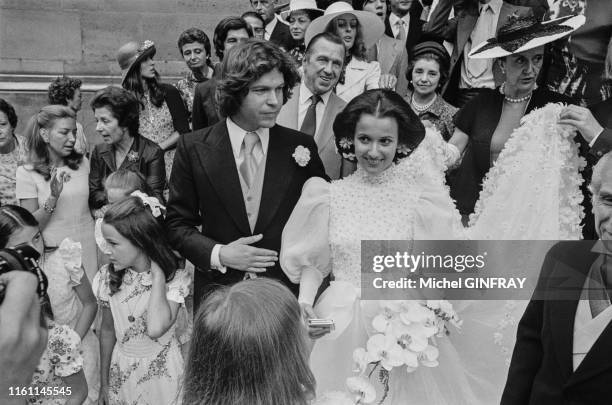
{"type": "Point", "coordinates": [132, 53]}
{"type": "Point", "coordinates": [520, 34]}
{"type": "Point", "coordinates": [430, 47]}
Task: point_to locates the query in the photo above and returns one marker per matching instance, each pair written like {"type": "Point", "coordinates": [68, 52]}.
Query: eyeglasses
{"type": "Point", "coordinates": [342, 23]}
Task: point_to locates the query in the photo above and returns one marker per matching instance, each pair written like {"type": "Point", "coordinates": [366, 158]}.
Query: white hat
{"type": "Point", "coordinates": [524, 33]}
{"type": "Point", "coordinates": [297, 5]}
{"type": "Point", "coordinates": [371, 26]}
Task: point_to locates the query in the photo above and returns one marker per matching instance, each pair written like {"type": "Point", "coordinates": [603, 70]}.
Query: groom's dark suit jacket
{"type": "Point", "coordinates": [541, 371]}
{"type": "Point", "coordinates": [205, 191]}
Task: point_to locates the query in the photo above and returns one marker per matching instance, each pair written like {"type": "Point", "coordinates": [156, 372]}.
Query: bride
{"type": "Point", "coordinates": [397, 193]}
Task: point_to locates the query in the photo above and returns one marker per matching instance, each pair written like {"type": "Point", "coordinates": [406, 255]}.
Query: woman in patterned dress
{"type": "Point", "coordinates": [163, 116]}
{"type": "Point", "coordinates": [12, 153]}
{"type": "Point", "coordinates": [140, 292]}
{"type": "Point", "coordinates": [195, 50]}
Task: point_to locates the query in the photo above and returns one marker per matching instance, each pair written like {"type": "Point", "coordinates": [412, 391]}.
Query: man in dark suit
{"type": "Point", "coordinates": [241, 178]}
{"type": "Point", "coordinates": [276, 31]}
{"type": "Point", "coordinates": [228, 33]}
{"type": "Point", "coordinates": [404, 21]}
{"type": "Point", "coordinates": [563, 353]}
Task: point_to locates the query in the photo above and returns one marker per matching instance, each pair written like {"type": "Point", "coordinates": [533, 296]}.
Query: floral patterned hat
{"type": "Point", "coordinates": [132, 53]}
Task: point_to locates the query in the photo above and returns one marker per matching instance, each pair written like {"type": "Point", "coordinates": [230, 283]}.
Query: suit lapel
{"type": "Point", "coordinates": [325, 131]}
{"type": "Point", "coordinates": [217, 158]}
{"type": "Point", "coordinates": [562, 312]}
{"type": "Point", "coordinates": [288, 116]}
{"type": "Point", "coordinates": [278, 176]}
{"type": "Point", "coordinates": [109, 158]}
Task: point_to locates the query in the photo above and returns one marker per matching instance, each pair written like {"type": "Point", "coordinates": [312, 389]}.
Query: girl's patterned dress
{"type": "Point", "coordinates": [143, 371]}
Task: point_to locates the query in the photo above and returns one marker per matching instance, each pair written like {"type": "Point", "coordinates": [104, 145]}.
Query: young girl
{"type": "Point", "coordinates": [59, 377]}
{"type": "Point", "coordinates": [119, 185]}
{"type": "Point", "coordinates": [140, 292]}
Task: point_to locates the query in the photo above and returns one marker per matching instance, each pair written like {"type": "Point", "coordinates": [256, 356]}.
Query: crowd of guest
{"type": "Point", "coordinates": [55, 182]}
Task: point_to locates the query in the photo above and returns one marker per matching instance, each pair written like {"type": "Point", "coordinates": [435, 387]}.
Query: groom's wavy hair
{"type": "Point", "coordinates": [381, 104]}
{"type": "Point", "coordinates": [249, 346]}
{"type": "Point", "coordinates": [246, 63]}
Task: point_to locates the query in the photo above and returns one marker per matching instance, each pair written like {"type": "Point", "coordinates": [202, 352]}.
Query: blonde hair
{"type": "Point", "coordinates": [38, 149]}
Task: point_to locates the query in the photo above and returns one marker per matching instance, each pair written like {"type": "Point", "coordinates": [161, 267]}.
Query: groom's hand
{"type": "Point", "coordinates": [240, 256]}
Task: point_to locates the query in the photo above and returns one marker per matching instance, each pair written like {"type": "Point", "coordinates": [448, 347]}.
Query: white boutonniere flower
{"type": "Point", "coordinates": [301, 155]}
{"type": "Point", "coordinates": [132, 156]}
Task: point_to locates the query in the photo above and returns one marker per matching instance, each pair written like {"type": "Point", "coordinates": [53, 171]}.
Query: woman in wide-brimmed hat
{"type": "Point", "coordinates": [299, 16]}
{"type": "Point", "coordinates": [359, 31]}
{"type": "Point", "coordinates": [163, 116]}
{"type": "Point", "coordinates": [488, 120]}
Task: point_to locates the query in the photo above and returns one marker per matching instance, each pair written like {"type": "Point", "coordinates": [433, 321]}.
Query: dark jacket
{"type": "Point", "coordinates": [144, 157]}
{"type": "Point", "coordinates": [205, 105]}
{"type": "Point", "coordinates": [205, 194]}
{"type": "Point", "coordinates": [414, 30]}
{"type": "Point", "coordinates": [281, 36]}
{"type": "Point", "coordinates": [178, 110]}
{"type": "Point", "coordinates": [541, 371]}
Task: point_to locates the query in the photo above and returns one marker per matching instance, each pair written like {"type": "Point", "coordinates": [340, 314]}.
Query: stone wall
{"type": "Point", "coordinates": [41, 39]}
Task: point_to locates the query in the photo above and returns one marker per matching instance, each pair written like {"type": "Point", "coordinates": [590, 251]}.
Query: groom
{"type": "Point", "coordinates": [563, 352]}
{"type": "Point", "coordinates": [240, 178]}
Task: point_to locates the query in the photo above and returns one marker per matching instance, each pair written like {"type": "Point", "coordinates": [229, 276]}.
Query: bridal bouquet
{"type": "Point", "coordinates": [405, 337]}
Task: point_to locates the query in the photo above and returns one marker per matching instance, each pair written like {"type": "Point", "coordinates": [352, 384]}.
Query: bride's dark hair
{"type": "Point", "coordinates": [382, 104]}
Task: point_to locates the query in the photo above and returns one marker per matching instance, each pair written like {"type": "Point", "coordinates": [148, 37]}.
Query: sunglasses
{"type": "Point", "coordinates": [342, 23]}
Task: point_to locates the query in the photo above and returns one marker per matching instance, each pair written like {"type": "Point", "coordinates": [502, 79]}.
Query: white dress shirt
{"type": "Point", "coordinates": [236, 135]}
{"type": "Point", "coordinates": [305, 102]}
{"type": "Point", "coordinates": [393, 20]}
{"type": "Point", "coordinates": [486, 80]}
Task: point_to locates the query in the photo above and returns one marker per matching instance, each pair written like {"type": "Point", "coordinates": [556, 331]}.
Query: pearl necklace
{"type": "Point", "coordinates": [502, 90]}
{"type": "Point", "coordinates": [422, 107]}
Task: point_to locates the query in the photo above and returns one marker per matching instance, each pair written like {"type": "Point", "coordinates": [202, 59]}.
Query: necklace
{"type": "Point", "coordinates": [422, 107]}
{"type": "Point", "coordinates": [502, 90]}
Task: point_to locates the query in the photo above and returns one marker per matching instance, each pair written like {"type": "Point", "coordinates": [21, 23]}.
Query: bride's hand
{"type": "Point", "coordinates": [314, 332]}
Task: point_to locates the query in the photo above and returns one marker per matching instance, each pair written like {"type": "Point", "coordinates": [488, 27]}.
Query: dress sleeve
{"type": "Point", "coordinates": [466, 116]}
{"type": "Point", "coordinates": [70, 252]}
{"type": "Point", "coordinates": [100, 286]}
{"type": "Point", "coordinates": [178, 288]}
{"type": "Point", "coordinates": [26, 186]}
{"type": "Point", "coordinates": [64, 346]}
{"type": "Point", "coordinates": [436, 217]}
{"type": "Point", "coordinates": [305, 254]}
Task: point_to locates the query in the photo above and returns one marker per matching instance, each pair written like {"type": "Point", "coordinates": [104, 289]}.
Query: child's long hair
{"type": "Point", "coordinates": [249, 347]}
{"type": "Point", "coordinates": [135, 222]}
{"type": "Point", "coordinates": [38, 155]}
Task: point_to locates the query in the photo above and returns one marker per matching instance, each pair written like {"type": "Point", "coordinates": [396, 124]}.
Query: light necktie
{"type": "Point", "coordinates": [309, 125]}
{"type": "Point", "coordinates": [401, 32]}
{"type": "Point", "coordinates": [249, 165]}
{"type": "Point", "coordinates": [482, 31]}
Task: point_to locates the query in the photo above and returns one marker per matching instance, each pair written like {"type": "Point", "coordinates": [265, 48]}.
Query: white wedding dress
{"type": "Point", "coordinates": [408, 201]}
